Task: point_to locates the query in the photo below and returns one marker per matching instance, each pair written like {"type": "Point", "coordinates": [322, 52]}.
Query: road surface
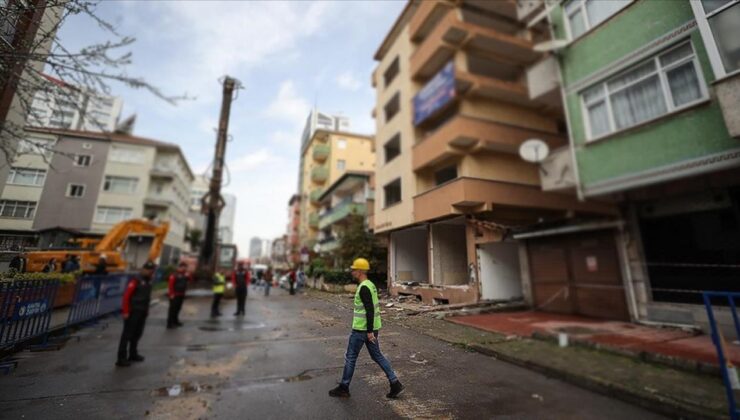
{"type": "Point", "coordinates": [279, 363]}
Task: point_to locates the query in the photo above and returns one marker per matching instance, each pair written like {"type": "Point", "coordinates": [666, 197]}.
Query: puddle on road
{"type": "Point", "coordinates": [298, 378]}
{"type": "Point", "coordinates": [242, 327]}
{"type": "Point", "coordinates": [177, 390]}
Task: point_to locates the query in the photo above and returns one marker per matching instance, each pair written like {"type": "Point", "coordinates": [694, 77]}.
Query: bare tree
{"type": "Point", "coordinates": [27, 58]}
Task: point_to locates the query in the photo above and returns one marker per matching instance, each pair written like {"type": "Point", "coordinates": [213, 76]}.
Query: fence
{"type": "Point", "coordinates": [729, 372]}
{"type": "Point", "coordinates": [96, 296]}
{"type": "Point", "coordinates": [26, 307]}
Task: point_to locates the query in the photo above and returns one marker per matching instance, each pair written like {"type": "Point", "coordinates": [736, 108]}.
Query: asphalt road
{"type": "Point", "coordinates": [278, 363]}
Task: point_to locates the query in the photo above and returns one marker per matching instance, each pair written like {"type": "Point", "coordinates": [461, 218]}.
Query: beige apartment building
{"type": "Point", "coordinates": [326, 156]}
{"type": "Point", "coordinates": [453, 106]}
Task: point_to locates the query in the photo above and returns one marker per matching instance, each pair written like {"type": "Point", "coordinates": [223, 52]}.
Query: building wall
{"type": "Point", "coordinates": [56, 209]}
{"type": "Point", "coordinates": [402, 213]}
{"type": "Point", "coordinates": [670, 139]}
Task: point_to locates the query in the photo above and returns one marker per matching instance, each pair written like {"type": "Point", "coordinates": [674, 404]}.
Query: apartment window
{"type": "Point", "coordinates": [718, 21]}
{"type": "Point", "coordinates": [126, 155]}
{"type": "Point", "coordinates": [26, 176]}
{"type": "Point", "coordinates": [17, 209]}
{"type": "Point", "coordinates": [445, 175]}
{"type": "Point", "coordinates": [392, 193]}
{"type": "Point", "coordinates": [83, 160]}
{"type": "Point", "coordinates": [120, 185]}
{"type": "Point", "coordinates": [36, 146]}
{"type": "Point", "coordinates": [583, 15]}
{"type": "Point", "coordinates": [392, 148]}
{"type": "Point", "coordinates": [392, 107]}
{"type": "Point", "coordinates": [342, 144]}
{"type": "Point", "coordinates": [112, 214]}
{"type": "Point", "coordinates": [663, 84]}
{"type": "Point", "coordinates": [8, 21]}
{"type": "Point", "coordinates": [341, 165]}
{"type": "Point", "coordinates": [75, 190]}
{"type": "Point", "coordinates": [391, 72]}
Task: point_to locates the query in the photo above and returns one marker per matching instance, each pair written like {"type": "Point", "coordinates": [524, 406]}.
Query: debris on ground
{"type": "Point", "coordinates": [418, 360]}
{"type": "Point", "coordinates": [538, 397]}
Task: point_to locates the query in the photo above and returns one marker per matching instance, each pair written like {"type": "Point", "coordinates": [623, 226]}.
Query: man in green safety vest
{"type": "Point", "coordinates": [365, 326]}
{"type": "Point", "coordinates": [219, 286]}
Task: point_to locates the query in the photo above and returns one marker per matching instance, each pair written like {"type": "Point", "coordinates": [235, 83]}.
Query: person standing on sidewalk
{"type": "Point", "coordinates": [134, 309]}
{"type": "Point", "coordinates": [292, 277]}
{"type": "Point", "coordinates": [219, 285]}
{"type": "Point", "coordinates": [268, 281]}
{"type": "Point", "coordinates": [240, 279]}
{"type": "Point", "coordinates": [365, 326]}
{"type": "Point", "coordinates": [178, 285]}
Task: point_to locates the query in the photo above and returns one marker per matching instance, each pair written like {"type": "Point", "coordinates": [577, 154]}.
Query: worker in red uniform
{"type": "Point", "coordinates": [134, 309]}
{"type": "Point", "coordinates": [178, 285]}
{"type": "Point", "coordinates": [240, 279]}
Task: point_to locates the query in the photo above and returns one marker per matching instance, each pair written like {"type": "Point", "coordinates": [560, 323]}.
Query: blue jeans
{"type": "Point", "coordinates": [356, 341]}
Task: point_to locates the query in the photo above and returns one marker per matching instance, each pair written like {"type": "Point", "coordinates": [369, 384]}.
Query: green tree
{"type": "Point", "coordinates": [356, 242]}
{"type": "Point", "coordinates": [194, 238]}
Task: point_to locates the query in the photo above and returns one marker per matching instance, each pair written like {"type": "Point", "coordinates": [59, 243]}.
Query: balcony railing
{"type": "Point", "coordinates": [340, 212]}
{"type": "Point", "coordinates": [316, 195]}
{"type": "Point", "coordinates": [320, 174]}
{"type": "Point", "coordinates": [329, 244]}
{"type": "Point", "coordinates": [321, 152]}
{"type": "Point", "coordinates": [313, 220]}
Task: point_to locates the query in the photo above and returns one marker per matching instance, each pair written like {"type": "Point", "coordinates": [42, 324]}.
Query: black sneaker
{"type": "Point", "coordinates": [123, 363]}
{"type": "Point", "coordinates": [136, 358]}
{"type": "Point", "coordinates": [396, 389]}
{"type": "Point", "coordinates": [340, 392]}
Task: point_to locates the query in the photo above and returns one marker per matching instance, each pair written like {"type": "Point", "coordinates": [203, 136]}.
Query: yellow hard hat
{"type": "Point", "coordinates": [361, 264]}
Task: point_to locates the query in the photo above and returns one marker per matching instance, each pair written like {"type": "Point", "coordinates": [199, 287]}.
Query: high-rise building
{"type": "Point", "coordinates": [319, 121]}
{"type": "Point", "coordinates": [453, 108]}
{"type": "Point", "coordinates": [255, 248]}
{"type": "Point", "coordinates": [60, 105]}
{"type": "Point", "coordinates": [85, 182]}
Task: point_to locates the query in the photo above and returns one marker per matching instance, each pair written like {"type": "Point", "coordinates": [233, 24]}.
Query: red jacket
{"type": "Point", "coordinates": [171, 284]}
{"type": "Point", "coordinates": [233, 278]}
{"type": "Point", "coordinates": [126, 304]}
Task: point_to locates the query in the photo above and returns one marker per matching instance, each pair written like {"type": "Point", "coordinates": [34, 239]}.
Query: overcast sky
{"type": "Point", "coordinates": [288, 56]}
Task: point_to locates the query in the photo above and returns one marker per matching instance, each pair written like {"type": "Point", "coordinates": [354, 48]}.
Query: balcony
{"type": "Point", "coordinates": [462, 135]}
{"type": "Point", "coordinates": [320, 174]}
{"type": "Point", "coordinates": [451, 34]}
{"type": "Point", "coordinates": [321, 152]}
{"type": "Point", "coordinates": [472, 195]}
{"type": "Point", "coordinates": [329, 244]}
{"type": "Point", "coordinates": [426, 17]}
{"type": "Point", "coordinates": [313, 220]}
{"type": "Point", "coordinates": [316, 195]}
{"type": "Point", "coordinates": [340, 212]}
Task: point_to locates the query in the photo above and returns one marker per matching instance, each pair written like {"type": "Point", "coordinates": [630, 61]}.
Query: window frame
{"type": "Point", "coordinates": [702, 21]}
{"type": "Point", "coordinates": [586, 19]}
{"type": "Point", "coordinates": [395, 98]}
{"type": "Point", "coordinates": [343, 165]}
{"type": "Point", "coordinates": [79, 156]}
{"type": "Point", "coordinates": [385, 150]}
{"type": "Point", "coordinates": [38, 173]}
{"type": "Point", "coordinates": [107, 209]}
{"type": "Point", "coordinates": [29, 213]}
{"type": "Point", "coordinates": [396, 62]}
{"type": "Point", "coordinates": [661, 71]}
{"type": "Point", "coordinates": [385, 193]}
{"type": "Point", "coordinates": [107, 180]}
{"type": "Point", "coordinates": [71, 186]}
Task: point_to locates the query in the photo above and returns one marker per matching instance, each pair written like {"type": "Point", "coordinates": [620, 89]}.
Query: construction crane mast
{"type": "Point", "coordinates": [212, 202]}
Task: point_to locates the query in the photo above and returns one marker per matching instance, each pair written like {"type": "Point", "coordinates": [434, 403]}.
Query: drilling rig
{"type": "Point", "coordinates": [212, 202]}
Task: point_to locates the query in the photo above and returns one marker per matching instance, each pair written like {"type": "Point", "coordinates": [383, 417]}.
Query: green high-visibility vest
{"type": "Point", "coordinates": [219, 283]}
{"type": "Point", "coordinates": [360, 320]}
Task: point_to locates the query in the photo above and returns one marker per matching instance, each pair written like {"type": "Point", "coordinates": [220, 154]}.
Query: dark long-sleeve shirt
{"type": "Point", "coordinates": [367, 302]}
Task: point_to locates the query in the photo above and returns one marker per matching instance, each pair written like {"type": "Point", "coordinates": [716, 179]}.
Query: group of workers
{"type": "Point", "coordinates": [366, 322]}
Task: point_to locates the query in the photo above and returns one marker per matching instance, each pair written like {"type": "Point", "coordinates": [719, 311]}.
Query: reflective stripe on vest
{"type": "Point", "coordinates": [218, 283]}
{"type": "Point", "coordinates": [359, 321]}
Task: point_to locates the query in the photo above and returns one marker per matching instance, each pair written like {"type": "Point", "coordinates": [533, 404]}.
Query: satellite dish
{"type": "Point", "coordinates": [551, 45]}
{"type": "Point", "coordinates": [534, 150]}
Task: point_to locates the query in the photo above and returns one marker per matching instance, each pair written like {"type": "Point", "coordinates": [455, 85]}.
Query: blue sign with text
{"type": "Point", "coordinates": [436, 94]}
{"type": "Point", "coordinates": [32, 308]}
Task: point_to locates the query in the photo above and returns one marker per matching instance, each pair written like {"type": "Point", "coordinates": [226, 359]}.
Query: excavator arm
{"type": "Point", "coordinates": [116, 237]}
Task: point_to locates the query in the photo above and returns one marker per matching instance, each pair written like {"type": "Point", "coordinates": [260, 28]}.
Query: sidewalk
{"type": "Point", "coordinates": [674, 346]}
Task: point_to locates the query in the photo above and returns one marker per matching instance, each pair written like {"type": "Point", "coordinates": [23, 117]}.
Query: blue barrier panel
{"type": "Point", "coordinates": [25, 309]}
{"type": "Point", "coordinates": [86, 305]}
{"type": "Point", "coordinates": [729, 374]}
{"type": "Point", "coordinates": [111, 289]}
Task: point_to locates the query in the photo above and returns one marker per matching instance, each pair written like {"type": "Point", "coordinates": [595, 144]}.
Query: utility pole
{"type": "Point", "coordinates": [212, 202]}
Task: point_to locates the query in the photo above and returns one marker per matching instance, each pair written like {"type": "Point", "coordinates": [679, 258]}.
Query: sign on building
{"type": "Point", "coordinates": [436, 94]}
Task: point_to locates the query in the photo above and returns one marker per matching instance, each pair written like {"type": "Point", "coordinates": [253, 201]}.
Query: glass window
{"type": "Point", "coordinates": [724, 25]}
{"type": "Point", "coordinates": [577, 23]}
{"type": "Point", "coordinates": [392, 148]}
{"type": "Point", "coordinates": [392, 192]}
{"type": "Point", "coordinates": [36, 146]}
{"type": "Point", "coordinates": [712, 5]}
{"type": "Point", "coordinates": [663, 84]}
{"type": "Point", "coordinates": [126, 155]}
{"type": "Point", "coordinates": [445, 175]}
{"type": "Point", "coordinates": [83, 160]}
{"type": "Point", "coordinates": [341, 165]}
{"type": "Point", "coordinates": [342, 143]}
{"type": "Point", "coordinates": [120, 185]}
{"type": "Point", "coordinates": [112, 214]}
{"type": "Point", "coordinates": [26, 176]}
{"type": "Point", "coordinates": [391, 72]}
{"type": "Point", "coordinates": [582, 15]}
{"type": "Point", "coordinates": [75, 190]}
{"type": "Point", "coordinates": [392, 107]}
{"type": "Point", "coordinates": [17, 209]}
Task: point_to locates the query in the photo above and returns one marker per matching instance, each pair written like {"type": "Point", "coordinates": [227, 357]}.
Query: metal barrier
{"type": "Point", "coordinates": [25, 309]}
{"type": "Point", "coordinates": [96, 296]}
{"type": "Point", "coordinates": [729, 372]}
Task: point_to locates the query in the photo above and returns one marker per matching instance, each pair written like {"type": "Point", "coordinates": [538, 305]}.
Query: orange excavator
{"type": "Point", "coordinates": [111, 246]}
